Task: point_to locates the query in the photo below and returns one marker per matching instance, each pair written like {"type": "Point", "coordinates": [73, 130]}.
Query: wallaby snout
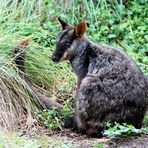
{"type": "Point", "coordinates": [55, 58]}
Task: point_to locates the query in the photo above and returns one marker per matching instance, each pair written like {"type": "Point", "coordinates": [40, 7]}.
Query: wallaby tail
{"type": "Point", "coordinates": [19, 59]}
{"type": "Point", "coordinates": [19, 54]}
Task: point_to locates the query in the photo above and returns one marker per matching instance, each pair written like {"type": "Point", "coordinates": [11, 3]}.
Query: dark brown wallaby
{"type": "Point", "coordinates": [19, 58]}
{"type": "Point", "coordinates": [111, 87]}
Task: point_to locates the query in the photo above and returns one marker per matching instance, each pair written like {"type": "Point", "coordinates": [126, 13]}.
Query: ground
{"type": "Point", "coordinates": [36, 135]}
{"type": "Point", "coordinates": [69, 139]}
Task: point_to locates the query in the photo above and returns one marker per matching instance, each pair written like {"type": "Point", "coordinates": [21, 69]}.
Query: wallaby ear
{"type": "Point", "coordinates": [80, 29]}
{"type": "Point", "coordinates": [64, 24]}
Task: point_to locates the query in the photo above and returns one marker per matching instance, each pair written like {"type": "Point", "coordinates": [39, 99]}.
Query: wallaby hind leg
{"type": "Point", "coordinates": [128, 115]}
{"type": "Point", "coordinates": [79, 122]}
{"type": "Point", "coordinates": [136, 116]}
{"type": "Point", "coordinates": [85, 126]}
{"type": "Point", "coordinates": [95, 128]}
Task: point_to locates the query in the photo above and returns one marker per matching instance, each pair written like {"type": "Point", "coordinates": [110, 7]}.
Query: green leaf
{"type": "Point", "coordinates": [111, 36]}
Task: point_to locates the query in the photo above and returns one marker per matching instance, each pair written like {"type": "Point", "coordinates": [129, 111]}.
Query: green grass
{"type": "Point", "coordinates": [14, 140]}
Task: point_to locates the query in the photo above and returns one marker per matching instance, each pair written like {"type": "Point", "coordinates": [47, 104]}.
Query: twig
{"type": "Point", "coordinates": [121, 45]}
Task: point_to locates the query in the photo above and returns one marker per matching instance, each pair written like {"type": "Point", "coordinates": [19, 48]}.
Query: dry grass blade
{"type": "Point", "coordinates": [16, 100]}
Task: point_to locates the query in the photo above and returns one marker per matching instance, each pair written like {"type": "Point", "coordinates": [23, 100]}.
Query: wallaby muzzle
{"type": "Point", "coordinates": [55, 58]}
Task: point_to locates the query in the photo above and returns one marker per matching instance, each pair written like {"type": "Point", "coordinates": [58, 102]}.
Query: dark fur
{"type": "Point", "coordinates": [111, 87]}
{"type": "Point", "coordinates": [19, 54]}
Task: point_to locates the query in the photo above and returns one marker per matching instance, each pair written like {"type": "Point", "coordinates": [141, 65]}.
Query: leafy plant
{"type": "Point", "coordinates": [67, 111]}
{"type": "Point", "coordinates": [50, 118]}
{"type": "Point", "coordinates": [123, 130]}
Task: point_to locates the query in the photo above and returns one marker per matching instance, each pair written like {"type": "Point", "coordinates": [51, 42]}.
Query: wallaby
{"type": "Point", "coordinates": [111, 87]}
{"type": "Point", "coordinates": [19, 58]}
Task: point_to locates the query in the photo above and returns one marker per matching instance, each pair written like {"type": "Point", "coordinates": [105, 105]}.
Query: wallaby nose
{"type": "Point", "coordinates": [54, 58]}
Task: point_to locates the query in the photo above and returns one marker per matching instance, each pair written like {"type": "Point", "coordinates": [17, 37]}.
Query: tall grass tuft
{"type": "Point", "coordinates": [17, 100]}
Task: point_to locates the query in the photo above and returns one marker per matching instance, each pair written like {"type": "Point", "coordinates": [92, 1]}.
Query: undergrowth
{"type": "Point", "coordinates": [54, 120]}
{"type": "Point", "coordinates": [123, 130]}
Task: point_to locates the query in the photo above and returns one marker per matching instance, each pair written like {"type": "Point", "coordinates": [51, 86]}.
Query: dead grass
{"type": "Point", "coordinates": [17, 100]}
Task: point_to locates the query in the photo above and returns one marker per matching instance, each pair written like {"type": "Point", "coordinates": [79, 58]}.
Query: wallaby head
{"type": "Point", "coordinates": [68, 40]}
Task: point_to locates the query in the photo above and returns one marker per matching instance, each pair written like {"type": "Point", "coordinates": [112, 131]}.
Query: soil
{"type": "Point", "coordinates": [69, 139]}
{"type": "Point", "coordinates": [79, 141]}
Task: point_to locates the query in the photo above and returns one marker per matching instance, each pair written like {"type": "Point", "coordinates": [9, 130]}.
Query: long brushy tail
{"type": "Point", "coordinates": [19, 54]}
{"type": "Point", "coordinates": [19, 59]}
